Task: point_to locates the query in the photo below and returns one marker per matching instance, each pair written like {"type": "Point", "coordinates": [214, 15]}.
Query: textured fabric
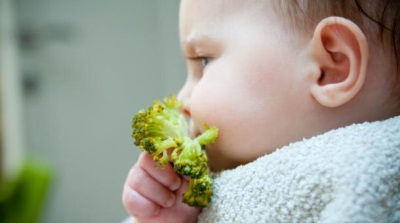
{"type": "Point", "coordinates": [351, 174]}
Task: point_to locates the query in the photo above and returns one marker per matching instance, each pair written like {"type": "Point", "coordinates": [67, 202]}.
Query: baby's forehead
{"type": "Point", "coordinates": [209, 21]}
{"type": "Point", "coordinates": [207, 14]}
{"type": "Point", "coordinates": [224, 8]}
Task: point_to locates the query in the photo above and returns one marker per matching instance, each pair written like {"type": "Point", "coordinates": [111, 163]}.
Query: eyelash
{"type": "Point", "coordinates": [204, 61]}
{"type": "Point", "coordinates": [200, 63]}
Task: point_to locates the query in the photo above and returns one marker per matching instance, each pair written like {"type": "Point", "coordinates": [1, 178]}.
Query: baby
{"type": "Point", "coordinates": [268, 74]}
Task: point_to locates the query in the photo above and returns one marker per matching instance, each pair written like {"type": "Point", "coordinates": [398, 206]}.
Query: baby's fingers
{"type": "Point", "coordinates": [165, 174]}
{"type": "Point", "coordinates": [149, 188]}
{"type": "Point", "coordinates": [143, 183]}
{"type": "Point", "coordinates": [137, 205]}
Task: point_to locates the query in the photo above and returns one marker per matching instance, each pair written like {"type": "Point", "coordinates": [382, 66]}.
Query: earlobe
{"type": "Point", "coordinates": [340, 49]}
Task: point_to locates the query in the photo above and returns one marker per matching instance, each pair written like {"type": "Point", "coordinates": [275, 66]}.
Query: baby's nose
{"type": "Point", "coordinates": [184, 97]}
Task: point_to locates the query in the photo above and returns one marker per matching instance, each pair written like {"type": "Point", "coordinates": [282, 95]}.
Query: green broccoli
{"type": "Point", "coordinates": [162, 130]}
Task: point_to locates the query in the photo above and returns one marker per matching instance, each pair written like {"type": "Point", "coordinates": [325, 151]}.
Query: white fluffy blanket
{"type": "Point", "coordinates": [351, 174]}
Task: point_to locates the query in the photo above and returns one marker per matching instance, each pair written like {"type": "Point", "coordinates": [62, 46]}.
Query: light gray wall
{"type": "Point", "coordinates": [91, 65]}
{"type": "Point", "coordinates": [11, 125]}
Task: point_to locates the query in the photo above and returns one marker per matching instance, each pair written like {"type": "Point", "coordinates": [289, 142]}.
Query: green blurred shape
{"type": "Point", "coordinates": [21, 201]}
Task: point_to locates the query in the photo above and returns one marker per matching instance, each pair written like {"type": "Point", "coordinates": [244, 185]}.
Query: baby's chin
{"type": "Point", "coordinates": [218, 165]}
{"type": "Point", "coordinates": [212, 162]}
{"type": "Point", "coordinates": [219, 159]}
{"type": "Point", "coordinates": [216, 162]}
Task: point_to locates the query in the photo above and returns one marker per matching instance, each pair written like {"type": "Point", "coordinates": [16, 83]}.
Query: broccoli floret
{"type": "Point", "coordinates": [199, 191]}
{"type": "Point", "coordinates": [161, 130]}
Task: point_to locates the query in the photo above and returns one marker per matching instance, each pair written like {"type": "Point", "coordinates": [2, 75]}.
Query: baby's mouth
{"type": "Point", "coordinates": [193, 130]}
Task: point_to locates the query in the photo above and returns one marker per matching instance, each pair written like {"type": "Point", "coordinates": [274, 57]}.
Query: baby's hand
{"type": "Point", "coordinates": [153, 194]}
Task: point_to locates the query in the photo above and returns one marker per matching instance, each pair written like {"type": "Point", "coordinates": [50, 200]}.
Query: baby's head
{"type": "Point", "coordinates": [271, 72]}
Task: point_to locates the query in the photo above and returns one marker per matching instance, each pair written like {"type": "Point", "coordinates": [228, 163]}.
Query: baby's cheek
{"type": "Point", "coordinates": [228, 111]}
{"type": "Point", "coordinates": [228, 148]}
{"type": "Point", "coordinates": [205, 106]}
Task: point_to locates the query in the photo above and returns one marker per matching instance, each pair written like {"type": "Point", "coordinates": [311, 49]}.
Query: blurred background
{"type": "Point", "coordinates": [72, 75]}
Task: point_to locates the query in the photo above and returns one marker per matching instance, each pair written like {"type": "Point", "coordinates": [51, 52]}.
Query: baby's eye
{"type": "Point", "coordinates": [204, 61]}
{"type": "Point", "coordinates": [198, 64]}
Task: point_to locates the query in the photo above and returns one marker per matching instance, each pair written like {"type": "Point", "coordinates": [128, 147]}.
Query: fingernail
{"type": "Point", "coordinates": [176, 185]}
{"type": "Point", "coordinates": [171, 201]}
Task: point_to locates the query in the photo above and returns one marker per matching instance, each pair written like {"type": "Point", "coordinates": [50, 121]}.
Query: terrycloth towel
{"type": "Point", "coordinates": [351, 174]}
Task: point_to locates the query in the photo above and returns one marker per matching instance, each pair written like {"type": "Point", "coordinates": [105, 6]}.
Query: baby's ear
{"type": "Point", "coordinates": [340, 49]}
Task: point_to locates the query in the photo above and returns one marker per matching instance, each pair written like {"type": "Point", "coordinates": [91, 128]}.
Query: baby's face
{"type": "Point", "coordinates": [242, 77]}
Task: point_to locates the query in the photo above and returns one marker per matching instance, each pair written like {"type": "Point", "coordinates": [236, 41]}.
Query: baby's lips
{"type": "Point", "coordinates": [193, 130]}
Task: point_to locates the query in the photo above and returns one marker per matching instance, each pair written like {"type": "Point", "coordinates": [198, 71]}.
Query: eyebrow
{"type": "Point", "coordinates": [196, 40]}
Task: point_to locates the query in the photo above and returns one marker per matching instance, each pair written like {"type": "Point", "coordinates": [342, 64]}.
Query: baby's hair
{"type": "Point", "coordinates": [379, 19]}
